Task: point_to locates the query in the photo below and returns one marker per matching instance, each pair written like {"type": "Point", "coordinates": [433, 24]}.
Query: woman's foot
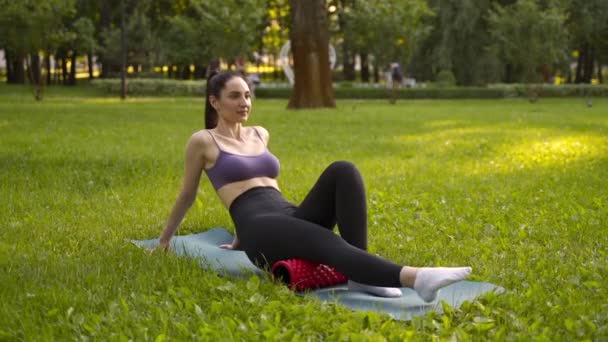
{"type": "Point", "coordinates": [427, 281]}
{"type": "Point", "coordinates": [389, 292]}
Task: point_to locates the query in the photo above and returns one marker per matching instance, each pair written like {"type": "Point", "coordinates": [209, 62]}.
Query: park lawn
{"type": "Point", "coordinates": [514, 189]}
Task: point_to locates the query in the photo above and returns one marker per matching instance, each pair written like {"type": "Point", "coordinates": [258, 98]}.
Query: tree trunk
{"type": "Point", "coordinates": [199, 71]}
{"type": "Point", "coordinates": [376, 72]}
{"type": "Point", "coordinates": [509, 74]}
{"type": "Point", "coordinates": [348, 63]}
{"type": "Point", "coordinates": [123, 52]}
{"type": "Point", "coordinates": [18, 71]}
{"type": "Point", "coordinates": [364, 67]}
{"type": "Point", "coordinates": [600, 77]}
{"type": "Point", "coordinates": [105, 23]}
{"type": "Point", "coordinates": [47, 65]}
{"type": "Point", "coordinates": [9, 66]}
{"type": "Point", "coordinates": [64, 69]}
{"type": "Point", "coordinates": [580, 63]}
{"type": "Point", "coordinates": [90, 65]}
{"type": "Point", "coordinates": [348, 55]}
{"type": "Point", "coordinates": [57, 71]}
{"type": "Point", "coordinates": [589, 64]}
{"type": "Point", "coordinates": [35, 67]}
{"type": "Point", "coordinates": [186, 72]}
{"type": "Point", "coordinates": [72, 80]}
{"type": "Point", "coordinates": [310, 46]}
{"type": "Point", "coordinates": [34, 76]}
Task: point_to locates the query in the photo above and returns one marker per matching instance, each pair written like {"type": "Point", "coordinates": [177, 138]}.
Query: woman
{"type": "Point", "coordinates": [269, 228]}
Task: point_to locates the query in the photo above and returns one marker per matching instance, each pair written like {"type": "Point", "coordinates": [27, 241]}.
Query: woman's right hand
{"type": "Point", "coordinates": [163, 246]}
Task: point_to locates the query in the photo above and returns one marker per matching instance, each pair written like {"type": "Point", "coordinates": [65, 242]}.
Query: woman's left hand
{"type": "Point", "coordinates": [235, 245]}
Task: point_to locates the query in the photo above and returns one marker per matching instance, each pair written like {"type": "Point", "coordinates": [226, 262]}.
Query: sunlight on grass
{"type": "Point", "coordinates": [445, 123]}
{"type": "Point", "coordinates": [502, 148]}
{"type": "Point", "coordinates": [541, 153]}
{"type": "Point", "coordinates": [102, 100]}
{"type": "Point", "coordinates": [559, 150]}
{"type": "Point", "coordinates": [445, 137]}
{"type": "Point", "coordinates": [444, 142]}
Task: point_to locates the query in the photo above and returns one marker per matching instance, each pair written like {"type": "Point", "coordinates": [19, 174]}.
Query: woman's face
{"type": "Point", "coordinates": [234, 103]}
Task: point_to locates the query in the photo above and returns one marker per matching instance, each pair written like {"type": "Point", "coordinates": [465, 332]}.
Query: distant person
{"type": "Point", "coordinates": [388, 76]}
{"type": "Point", "coordinates": [397, 79]}
{"type": "Point", "coordinates": [254, 81]}
{"type": "Point", "coordinates": [269, 228]}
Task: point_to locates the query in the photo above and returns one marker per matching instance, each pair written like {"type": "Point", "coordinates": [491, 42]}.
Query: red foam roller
{"type": "Point", "coordinates": [301, 275]}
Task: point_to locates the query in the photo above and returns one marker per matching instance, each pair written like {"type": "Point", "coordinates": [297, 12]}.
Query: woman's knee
{"type": "Point", "coordinates": [346, 173]}
{"type": "Point", "coordinates": [343, 168]}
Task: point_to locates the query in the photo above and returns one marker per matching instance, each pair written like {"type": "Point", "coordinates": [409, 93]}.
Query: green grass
{"type": "Point", "coordinates": [516, 190]}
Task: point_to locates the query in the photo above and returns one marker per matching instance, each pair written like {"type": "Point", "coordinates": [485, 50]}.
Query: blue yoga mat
{"type": "Point", "coordinates": [204, 248]}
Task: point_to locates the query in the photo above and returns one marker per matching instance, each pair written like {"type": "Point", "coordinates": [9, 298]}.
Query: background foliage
{"type": "Point", "coordinates": [477, 42]}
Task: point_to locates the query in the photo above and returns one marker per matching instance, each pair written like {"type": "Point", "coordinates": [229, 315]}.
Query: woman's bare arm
{"type": "Point", "coordinates": [194, 164]}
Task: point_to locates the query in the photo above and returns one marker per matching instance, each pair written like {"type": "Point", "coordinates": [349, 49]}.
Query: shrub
{"type": "Point", "coordinates": [153, 87]}
{"type": "Point", "coordinates": [168, 87]}
{"type": "Point", "coordinates": [273, 93]}
{"type": "Point", "coordinates": [445, 78]}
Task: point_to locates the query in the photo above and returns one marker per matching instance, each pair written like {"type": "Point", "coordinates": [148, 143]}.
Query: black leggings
{"type": "Point", "coordinates": [272, 229]}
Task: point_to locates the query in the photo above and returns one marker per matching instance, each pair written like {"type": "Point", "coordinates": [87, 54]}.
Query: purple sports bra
{"type": "Point", "coordinates": [230, 167]}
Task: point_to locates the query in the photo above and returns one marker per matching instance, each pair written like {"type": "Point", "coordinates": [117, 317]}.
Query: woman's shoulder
{"type": "Point", "coordinates": [201, 139]}
{"type": "Point", "coordinates": [263, 132]}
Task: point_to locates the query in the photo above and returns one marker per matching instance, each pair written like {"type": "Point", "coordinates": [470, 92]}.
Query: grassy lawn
{"type": "Point", "coordinates": [518, 191]}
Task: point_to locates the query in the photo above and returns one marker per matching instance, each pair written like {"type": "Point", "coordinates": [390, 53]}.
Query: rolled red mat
{"type": "Point", "coordinates": [301, 275]}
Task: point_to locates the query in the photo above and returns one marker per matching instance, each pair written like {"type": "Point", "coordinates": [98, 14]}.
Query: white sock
{"type": "Point", "coordinates": [389, 292]}
{"type": "Point", "coordinates": [430, 279]}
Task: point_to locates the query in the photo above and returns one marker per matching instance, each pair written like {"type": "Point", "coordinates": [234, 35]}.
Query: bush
{"type": "Point", "coordinates": [445, 78]}
{"type": "Point", "coordinates": [550, 90]}
{"type": "Point", "coordinates": [273, 93]}
{"type": "Point", "coordinates": [168, 87]}
{"type": "Point", "coordinates": [152, 87]}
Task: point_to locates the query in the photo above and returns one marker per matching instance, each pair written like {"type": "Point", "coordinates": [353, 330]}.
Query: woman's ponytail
{"type": "Point", "coordinates": [210, 112]}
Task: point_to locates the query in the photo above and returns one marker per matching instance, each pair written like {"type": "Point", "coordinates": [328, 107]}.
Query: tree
{"type": "Point", "coordinates": [528, 37]}
{"type": "Point", "coordinates": [588, 26]}
{"type": "Point", "coordinates": [30, 29]}
{"type": "Point", "coordinates": [276, 30]}
{"type": "Point", "coordinates": [108, 37]}
{"type": "Point", "coordinates": [79, 38]}
{"type": "Point", "coordinates": [85, 40]}
{"type": "Point", "coordinates": [210, 29]}
{"type": "Point", "coordinates": [138, 32]}
{"type": "Point", "coordinates": [389, 30]}
{"type": "Point", "coordinates": [185, 43]}
{"type": "Point", "coordinates": [14, 23]}
{"type": "Point", "coordinates": [310, 45]}
{"type": "Point", "coordinates": [457, 43]}
{"type": "Point", "coordinates": [338, 10]}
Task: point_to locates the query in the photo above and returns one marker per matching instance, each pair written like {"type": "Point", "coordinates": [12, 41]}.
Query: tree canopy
{"type": "Point", "coordinates": [476, 42]}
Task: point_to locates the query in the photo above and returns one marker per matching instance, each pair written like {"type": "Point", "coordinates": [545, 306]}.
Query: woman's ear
{"type": "Point", "coordinates": [214, 101]}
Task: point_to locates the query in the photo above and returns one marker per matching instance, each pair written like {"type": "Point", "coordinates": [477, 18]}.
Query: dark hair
{"type": "Point", "coordinates": [216, 82]}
